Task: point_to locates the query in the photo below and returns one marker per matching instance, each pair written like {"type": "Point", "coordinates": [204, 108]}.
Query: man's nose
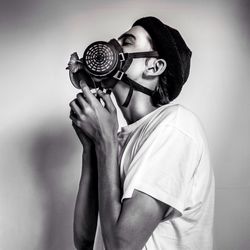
{"type": "Point", "coordinates": [119, 41]}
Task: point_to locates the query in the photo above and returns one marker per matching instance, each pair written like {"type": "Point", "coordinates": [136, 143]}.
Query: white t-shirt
{"type": "Point", "coordinates": [165, 155]}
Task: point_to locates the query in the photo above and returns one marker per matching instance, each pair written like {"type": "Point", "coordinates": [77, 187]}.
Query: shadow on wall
{"type": "Point", "coordinates": [53, 150]}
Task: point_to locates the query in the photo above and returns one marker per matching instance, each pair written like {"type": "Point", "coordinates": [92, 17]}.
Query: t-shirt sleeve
{"type": "Point", "coordinates": [163, 167]}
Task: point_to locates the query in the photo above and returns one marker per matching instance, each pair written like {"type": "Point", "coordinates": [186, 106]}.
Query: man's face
{"type": "Point", "coordinates": [134, 40]}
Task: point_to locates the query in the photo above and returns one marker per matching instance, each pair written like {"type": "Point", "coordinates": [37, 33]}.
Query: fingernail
{"type": "Point", "coordinates": [82, 84]}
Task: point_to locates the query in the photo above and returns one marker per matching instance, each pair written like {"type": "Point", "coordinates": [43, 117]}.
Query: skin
{"type": "Point", "coordinates": [100, 189]}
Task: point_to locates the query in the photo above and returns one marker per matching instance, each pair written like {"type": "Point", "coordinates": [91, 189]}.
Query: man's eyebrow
{"type": "Point", "coordinates": [126, 35]}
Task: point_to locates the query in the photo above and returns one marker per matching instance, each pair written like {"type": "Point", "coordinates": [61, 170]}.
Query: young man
{"type": "Point", "coordinates": [151, 185]}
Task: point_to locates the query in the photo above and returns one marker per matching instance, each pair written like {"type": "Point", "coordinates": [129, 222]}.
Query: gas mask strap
{"type": "Point", "coordinates": [130, 56]}
{"type": "Point", "coordinates": [129, 96]}
{"type": "Point", "coordinates": [144, 54]}
{"type": "Point", "coordinates": [134, 86]}
{"type": "Point", "coordinates": [127, 64]}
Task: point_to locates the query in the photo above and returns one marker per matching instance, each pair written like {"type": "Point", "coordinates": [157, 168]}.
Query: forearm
{"type": "Point", "coordinates": [109, 192]}
{"type": "Point", "coordinates": [86, 208]}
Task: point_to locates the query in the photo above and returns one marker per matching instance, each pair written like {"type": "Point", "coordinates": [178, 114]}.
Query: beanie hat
{"type": "Point", "coordinates": [171, 47]}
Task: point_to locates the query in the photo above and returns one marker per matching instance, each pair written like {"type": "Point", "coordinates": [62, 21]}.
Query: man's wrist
{"type": "Point", "coordinates": [106, 145]}
{"type": "Point", "coordinates": [88, 151]}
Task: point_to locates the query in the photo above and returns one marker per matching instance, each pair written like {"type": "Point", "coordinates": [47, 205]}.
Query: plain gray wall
{"type": "Point", "coordinates": [40, 154]}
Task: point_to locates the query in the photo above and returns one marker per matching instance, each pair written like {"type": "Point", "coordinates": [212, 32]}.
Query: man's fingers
{"type": "Point", "coordinates": [75, 122]}
{"type": "Point", "coordinates": [89, 97]}
{"type": "Point", "coordinates": [109, 105]}
{"type": "Point", "coordinates": [75, 108]}
{"type": "Point", "coordinates": [81, 100]}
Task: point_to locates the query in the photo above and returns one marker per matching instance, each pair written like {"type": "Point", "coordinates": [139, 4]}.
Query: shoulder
{"type": "Point", "coordinates": [178, 118]}
{"type": "Point", "coordinates": [175, 115]}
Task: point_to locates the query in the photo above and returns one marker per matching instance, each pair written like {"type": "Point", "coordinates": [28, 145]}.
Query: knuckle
{"type": "Point", "coordinates": [78, 123]}
{"type": "Point", "coordinates": [71, 103]}
{"type": "Point", "coordinates": [87, 110]}
{"type": "Point", "coordinates": [81, 117]}
{"type": "Point", "coordinates": [79, 95]}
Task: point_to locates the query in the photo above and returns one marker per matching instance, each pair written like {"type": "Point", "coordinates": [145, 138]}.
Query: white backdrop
{"type": "Point", "coordinates": [40, 157]}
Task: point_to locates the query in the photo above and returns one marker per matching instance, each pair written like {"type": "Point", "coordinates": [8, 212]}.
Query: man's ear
{"type": "Point", "coordinates": [156, 68]}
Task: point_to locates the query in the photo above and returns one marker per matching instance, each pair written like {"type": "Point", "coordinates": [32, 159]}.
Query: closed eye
{"type": "Point", "coordinates": [126, 42]}
{"type": "Point", "coordinates": [127, 39]}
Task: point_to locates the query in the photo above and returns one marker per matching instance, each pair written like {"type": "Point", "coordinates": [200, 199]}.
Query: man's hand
{"type": "Point", "coordinates": [99, 123]}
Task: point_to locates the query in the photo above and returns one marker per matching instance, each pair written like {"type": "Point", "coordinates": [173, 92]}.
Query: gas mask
{"type": "Point", "coordinates": [106, 60]}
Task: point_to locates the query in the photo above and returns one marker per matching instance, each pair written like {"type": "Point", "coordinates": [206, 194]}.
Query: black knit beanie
{"type": "Point", "coordinates": [171, 47]}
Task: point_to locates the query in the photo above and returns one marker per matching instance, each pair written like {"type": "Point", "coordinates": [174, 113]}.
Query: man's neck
{"type": "Point", "coordinates": [140, 105]}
